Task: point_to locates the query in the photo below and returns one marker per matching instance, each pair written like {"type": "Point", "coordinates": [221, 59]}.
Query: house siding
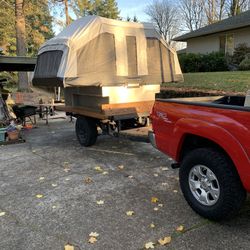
{"type": "Point", "coordinates": [242, 36]}
{"type": "Point", "coordinates": [211, 43]}
{"type": "Point", "coordinates": [203, 44]}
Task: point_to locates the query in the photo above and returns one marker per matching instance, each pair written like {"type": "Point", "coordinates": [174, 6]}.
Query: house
{"type": "Point", "coordinates": [222, 36]}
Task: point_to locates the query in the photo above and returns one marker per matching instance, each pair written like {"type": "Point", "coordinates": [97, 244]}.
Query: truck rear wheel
{"type": "Point", "coordinates": [211, 185]}
{"type": "Point", "coordinates": [86, 131]}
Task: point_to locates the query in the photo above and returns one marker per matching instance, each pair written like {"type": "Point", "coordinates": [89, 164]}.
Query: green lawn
{"type": "Point", "coordinates": [234, 81]}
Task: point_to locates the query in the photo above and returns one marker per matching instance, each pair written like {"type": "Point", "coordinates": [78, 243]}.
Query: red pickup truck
{"type": "Point", "coordinates": [209, 139]}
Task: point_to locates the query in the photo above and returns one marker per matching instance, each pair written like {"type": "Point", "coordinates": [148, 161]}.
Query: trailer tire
{"type": "Point", "coordinates": [86, 131]}
{"type": "Point", "coordinates": [211, 184]}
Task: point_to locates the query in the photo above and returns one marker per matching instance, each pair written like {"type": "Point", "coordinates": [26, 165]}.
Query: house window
{"type": "Point", "coordinates": [227, 44]}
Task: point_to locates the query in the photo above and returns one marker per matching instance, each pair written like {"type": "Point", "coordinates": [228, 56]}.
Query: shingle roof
{"type": "Point", "coordinates": [235, 22]}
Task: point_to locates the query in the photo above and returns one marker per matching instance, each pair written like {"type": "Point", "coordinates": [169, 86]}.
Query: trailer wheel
{"type": "Point", "coordinates": [86, 131]}
{"type": "Point", "coordinates": [211, 185]}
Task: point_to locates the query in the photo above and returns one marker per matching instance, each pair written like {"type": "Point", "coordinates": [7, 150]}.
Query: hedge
{"type": "Point", "coordinates": [211, 62]}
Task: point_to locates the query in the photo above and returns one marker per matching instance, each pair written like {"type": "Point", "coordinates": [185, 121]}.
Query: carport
{"type": "Point", "coordinates": [17, 63]}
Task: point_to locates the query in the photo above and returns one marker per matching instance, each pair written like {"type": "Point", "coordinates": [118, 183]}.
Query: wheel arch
{"type": "Point", "coordinates": [189, 142]}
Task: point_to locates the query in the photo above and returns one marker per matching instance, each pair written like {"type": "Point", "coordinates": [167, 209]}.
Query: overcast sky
{"type": "Point", "coordinates": [133, 7]}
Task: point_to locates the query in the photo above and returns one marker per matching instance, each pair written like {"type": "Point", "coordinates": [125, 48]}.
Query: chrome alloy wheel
{"type": "Point", "coordinates": [204, 185]}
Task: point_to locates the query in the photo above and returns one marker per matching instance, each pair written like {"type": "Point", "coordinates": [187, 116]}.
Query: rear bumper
{"type": "Point", "coordinates": [151, 136]}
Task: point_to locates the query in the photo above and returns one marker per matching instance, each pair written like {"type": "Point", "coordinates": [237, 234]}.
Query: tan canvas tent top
{"type": "Point", "coordinates": [96, 51]}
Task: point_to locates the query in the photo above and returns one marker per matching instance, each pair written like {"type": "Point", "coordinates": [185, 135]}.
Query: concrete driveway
{"type": "Point", "coordinates": [50, 188]}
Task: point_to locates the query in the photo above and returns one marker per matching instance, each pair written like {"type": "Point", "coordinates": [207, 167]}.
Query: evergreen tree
{"type": "Point", "coordinates": [97, 8]}
{"type": "Point", "coordinates": [110, 9]}
{"type": "Point", "coordinates": [135, 19]}
{"type": "Point", "coordinates": [81, 7]}
{"type": "Point", "coordinates": [7, 27]}
{"type": "Point", "coordinates": [128, 19]}
{"type": "Point", "coordinates": [38, 25]}
{"type": "Point", "coordinates": [104, 8]}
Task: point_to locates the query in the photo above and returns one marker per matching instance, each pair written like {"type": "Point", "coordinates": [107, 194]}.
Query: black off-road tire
{"type": "Point", "coordinates": [232, 194]}
{"type": "Point", "coordinates": [86, 131]}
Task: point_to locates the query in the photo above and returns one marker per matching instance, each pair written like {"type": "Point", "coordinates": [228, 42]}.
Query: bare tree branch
{"type": "Point", "coordinates": [192, 12]}
{"type": "Point", "coordinates": [163, 14]}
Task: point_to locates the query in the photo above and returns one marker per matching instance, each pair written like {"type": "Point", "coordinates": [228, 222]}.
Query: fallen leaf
{"type": "Point", "coordinates": [53, 207]}
{"type": "Point", "coordinates": [93, 234]}
{"type": "Point", "coordinates": [100, 202]}
{"type": "Point", "coordinates": [105, 172]}
{"type": "Point", "coordinates": [130, 213]}
{"type": "Point", "coordinates": [39, 196]}
{"type": "Point", "coordinates": [180, 228]}
{"type": "Point", "coordinates": [121, 167]}
{"type": "Point", "coordinates": [130, 176]}
{"type": "Point", "coordinates": [164, 184]}
{"type": "Point", "coordinates": [54, 185]}
{"type": "Point", "coordinates": [41, 178]}
{"type": "Point", "coordinates": [67, 179]}
{"type": "Point", "coordinates": [149, 245]}
{"type": "Point", "coordinates": [160, 205]}
{"type": "Point", "coordinates": [88, 180]}
{"type": "Point", "coordinates": [92, 240]}
{"type": "Point", "coordinates": [66, 170]}
{"type": "Point", "coordinates": [156, 175]}
{"type": "Point", "coordinates": [154, 200]}
{"type": "Point", "coordinates": [165, 240]}
{"type": "Point", "coordinates": [177, 178]}
{"type": "Point", "coordinates": [33, 151]}
{"type": "Point", "coordinates": [164, 168]}
{"type": "Point", "coordinates": [152, 225]}
{"type": "Point", "coordinates": [65, 163]}
{"type": "Point", "coordinates": [68, 247]}
{"type": "Point", "coordinates": [175, 191]}
{"type": "Point", "coordinates": [2, 214]}
{"type": "Point", "coordinates": [156, 208]}
{"type": "Point", "coordinates": [99, 169]}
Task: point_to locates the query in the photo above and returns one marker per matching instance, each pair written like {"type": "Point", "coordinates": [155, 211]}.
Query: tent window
{"type": "Point", "coordinates": [97, 57]}
{"type": "Point", "coordinates": [132, 55]}
{"type": "Point", "coordinates": [48, 63]}
{"type": "Point", "coordinates": [154, 66]}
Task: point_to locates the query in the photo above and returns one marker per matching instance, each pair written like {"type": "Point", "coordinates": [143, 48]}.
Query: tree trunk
{"type": "Point", "coordinates": [67, 12]}
{"type": "Point", "coordinates": [20, 42]}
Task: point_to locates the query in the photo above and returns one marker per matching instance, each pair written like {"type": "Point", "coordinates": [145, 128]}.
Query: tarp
{"type": "Point", "coordinates": [96, 51]}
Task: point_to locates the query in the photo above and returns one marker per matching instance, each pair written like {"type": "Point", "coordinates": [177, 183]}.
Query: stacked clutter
{"type": "Point", "coordinates": [13, 131]}
{"type": "Point", "coordinates": [9, 130]}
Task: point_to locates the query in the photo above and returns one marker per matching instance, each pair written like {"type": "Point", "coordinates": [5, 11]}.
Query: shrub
{"type": "Point", "coordinates": [214, 61]}
{"type": "Point", "coordinates": [245, 63]}
{"type": "Point", "coordinates": [190, 62]}
{"type": "Point", "coordinates": [239, 53]}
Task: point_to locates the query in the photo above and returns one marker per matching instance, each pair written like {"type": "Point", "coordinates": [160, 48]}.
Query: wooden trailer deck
{"type": "Point", "coordinates": [129, 110]}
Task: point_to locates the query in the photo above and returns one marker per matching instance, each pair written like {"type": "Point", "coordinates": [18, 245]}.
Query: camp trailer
{"type": "Point", "coordinates": [110, 71]}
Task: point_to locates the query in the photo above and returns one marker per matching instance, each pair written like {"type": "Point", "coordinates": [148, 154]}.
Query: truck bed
{"type": "Point", "coordinates": [224, 102]}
